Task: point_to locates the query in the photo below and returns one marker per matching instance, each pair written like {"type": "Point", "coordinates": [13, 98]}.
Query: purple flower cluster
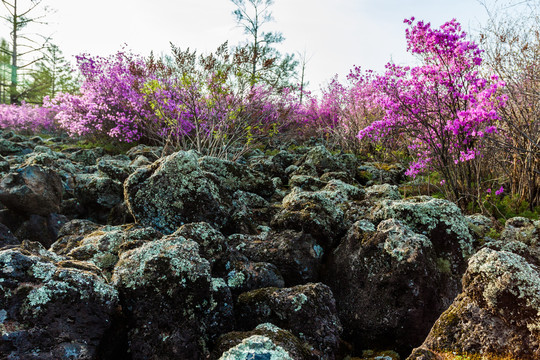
{"type": "Point", "coordinates": [110, 101]}
{"type": "Point", "coordinates": [27, 118]}
{"type": "Point", "coordinates": [130, 98]}
{"type": "Point", "coordinates": [444, 107]}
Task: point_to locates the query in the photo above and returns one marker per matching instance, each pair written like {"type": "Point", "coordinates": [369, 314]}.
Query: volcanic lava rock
{"type": "Point", "coordinates": [174, 308]}
{"type": "Point", "coordinates": [51, 308]}
{"type": "Point", "coordinates": [175, 191]}
{"type": "Point", "coordinates": [266, 341]}
{"type": "Point", "coordinates": [319, 213]}
{"type": "Point", "coordinates": [308, 311]}
{"type": "Point", "coordinates": [390, 285]}
{"type": "Point", "coordinates": [498, 313]}
{"type": "Point", "coordinates": [32, 190]}
{"type": "Point", "coordinates": [297, 255]}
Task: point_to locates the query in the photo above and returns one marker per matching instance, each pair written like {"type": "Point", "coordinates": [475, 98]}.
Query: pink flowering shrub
{"type": "Point", "coordinates": [189, 102]}
{"type": "Point", "coordinates": [27, 118]}
{"type": "Point", "coordinates": [443, 108]}
{"type": "Point", "coordinates": [344, 109]}
{"type": "Point", "coordinates": [110, 101]}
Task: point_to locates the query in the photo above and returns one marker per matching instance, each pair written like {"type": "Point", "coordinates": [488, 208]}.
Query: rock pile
{"type": "Point", "coordinates": [299, 255]}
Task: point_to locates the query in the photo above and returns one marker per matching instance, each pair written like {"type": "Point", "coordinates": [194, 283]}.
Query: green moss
{"type": "Point", "coordinates": [444, 266]}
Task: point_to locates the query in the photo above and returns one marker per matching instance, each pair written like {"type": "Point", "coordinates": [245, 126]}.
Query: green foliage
{"type": "Point", "coordinates": [262, 63]}
{"type": "Point", "coordinates": [51, 75]}
{"type": "Point", "coordinates": [5, 71]}
{"type": "Point", "coordinates": [504, 207]}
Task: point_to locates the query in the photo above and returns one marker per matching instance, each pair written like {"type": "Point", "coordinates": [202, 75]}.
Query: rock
{"type": "Point", "coordinates": [32, 190]}
{"type": "Point", "coordinates": [213, 245]}
{"type": "Point", "coordinates": [306, 182]}
{"type": "Point", "coordinates": [42, 229]}
{"type": "Point", "coordinates": [120, 215]}
{"type": "Point", "coordinates": [166, 280]}
{"type": "Point", "coordinates": [98, 195]}
{"type": "Point", "coordinates": [522, 229]}
{"type": "Point", "coordinates": [50, 309]}
{"type": "Point", "coordinates": [274, 166]}
{"type": "Point", "coordinates": [320, 160]}
{"type": "Point", "coordinates": [480, 227]}
{"type": "Point", "coordinates": [337, 175]}
{"type": "Point", "coordinates": [116, 168]}
{"type": "Point", "coordinates": [440, 220]}
{"type": "Point", "coordinates": [308, 311]}
{"type": "Point", "coordinates": [71, 233]}
{"type": "Point", "coordinates": [12, 148]}
{"type": "Point", "coordinates": [245, 275]}
{"type": "Point", "coordinates": [152, 153]}
{"type": "Point", "coordinates": [383, 191]}
{"type": "Point", "coordinates": [318, 213]}
{"type": "Point", "coordinates": [297, 256]}
{"type": "Point", "coordinates": [87, 157]}
{"type": "Point", "coordinates": [7, 237]}
{"type": "Point", "coordinates": [4, 165]}
{"type": "Point", "coordinates": [267, 342]}
{"type": "Point", "coordinates": [383, 173]}
{"type": "Point", "coordinates": [175, 191]}
{"type": "Point", "coordinates": [498, 313]}
{"type": "Point", "coordinates": [390, 285]}
{"type": "Point", "coordinates": [235, 176]}
{"type": "Point", "coordinates": [250, 212]}
{"type": "Point", "coordinates": [102, 246]}
{"type": "Point", "coordinates": [140, 161]}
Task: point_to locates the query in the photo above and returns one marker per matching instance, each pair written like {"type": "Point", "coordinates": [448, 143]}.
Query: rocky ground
{"type": "Point", "coordinates": [302, 254]}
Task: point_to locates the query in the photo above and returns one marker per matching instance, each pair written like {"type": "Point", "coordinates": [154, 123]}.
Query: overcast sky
{"type": "Point", "coordinates": [335, 34]}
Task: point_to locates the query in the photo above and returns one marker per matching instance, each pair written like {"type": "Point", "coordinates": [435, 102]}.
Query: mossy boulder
{"type": "Point", "coordinates": [266, 341]}
{"type": "Point", "coordinates": [117, 168]}
{"type": "Point", "coordinates": [274, 166]}
{"type": "Point", "coordinates": [306, 182]}
{"type": "Point", "coordinates": [480, 226]}
{"type": "Point", "coordinates": [297, 255]}
{"type": "Point", "coordinates": [440, 220]}
{"type": "Point", "coordinates": [390, 285]}
{"type": "Point", "coordinates": [317, 161]}
{"type": "Point", "coordinates": [498, 313]}
{"type": "Point", "coordinates": [175, 309]}
{"type": "Point", "coordinates": [8, 147]}
{"type": "Point", "coordinates": [250, 212]}
{"type": "Point", "coordinates": [152, 153]}
{"type": "Point", "coordinates": [522, 229]}
{"type": "Point", "coordinates": [87, 157]}
{"type": "Point", "coordinates": [246, 275]}
{"type": "Point", "coordinates": [235, 176]}
{"type": "Point", "coordinates": [308, 311]}
{"type": "Point", "coordinates": [382, 192]}
{"type": "Point", "coordinates": [175, 191]}
{"type": "Point", "coordinates": [103, 246]}
{"type": "Point", "coordinates": [32, 190]}
{"type": "Point", "coordinates": [382, 173]}
{"type": "Point", "coordinates": [213, 245]}
{"type": "Point", "coordinates": [51, 308]}
{"type": "Point", "coordinates": [319, 213]}
{"type": "Point", "coordinates": [95, 190]}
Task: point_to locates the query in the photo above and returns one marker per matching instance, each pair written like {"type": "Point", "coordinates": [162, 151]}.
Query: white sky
{"type": "Point", "coordinates": [335, 34]}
